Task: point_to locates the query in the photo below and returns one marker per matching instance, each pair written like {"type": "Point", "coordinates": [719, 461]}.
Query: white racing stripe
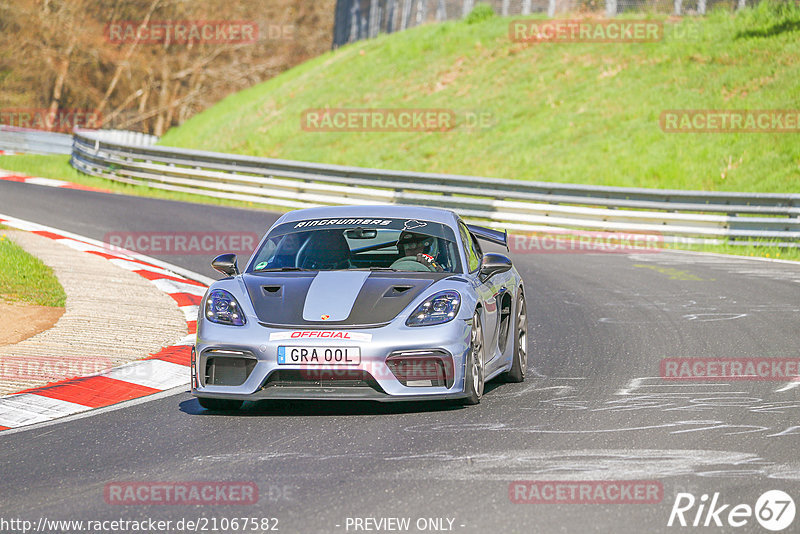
{"type": "Point", "coordinates": [331, 295]}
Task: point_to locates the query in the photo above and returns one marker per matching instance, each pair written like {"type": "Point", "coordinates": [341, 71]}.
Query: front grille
{"type": "Point", "coordinates": [310, 378]}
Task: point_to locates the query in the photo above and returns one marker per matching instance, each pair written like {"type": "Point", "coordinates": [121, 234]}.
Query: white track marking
{"type": "Point", "coordinates": [171, 286]}
{"type": "Point", "coordinates": [190, 312]}
{"type": "Point", "coordinates": [97, 411]}
{"type": "Point", "coordinates": [26, 408]}
{"type": "Point", "coordinates": [50, 182]}
{"type": "Point", "coordinates": [156, 374]}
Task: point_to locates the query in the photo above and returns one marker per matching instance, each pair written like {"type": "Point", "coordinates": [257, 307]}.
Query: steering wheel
{"type": "Point", "coordinates": [410, 263]}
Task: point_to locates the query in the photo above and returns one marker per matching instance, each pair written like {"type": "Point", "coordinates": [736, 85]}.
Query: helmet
{"type": "Point", "coordinates": [411, 239]}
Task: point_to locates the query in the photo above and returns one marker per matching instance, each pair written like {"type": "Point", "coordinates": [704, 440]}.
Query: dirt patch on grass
{"type": "Point", "coordinates": [21, 320]}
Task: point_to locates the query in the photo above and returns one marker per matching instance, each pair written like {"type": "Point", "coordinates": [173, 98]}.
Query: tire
{"type": "Point", "coordinates": [520, 361]}
{"type": "Point", "coordinates": [219, 405]}
{"type": "Point", "coordinates": [473, 370]}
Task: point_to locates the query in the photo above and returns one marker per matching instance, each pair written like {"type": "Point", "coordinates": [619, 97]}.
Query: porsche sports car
{"type": "Point", "coordinates": [386, 303]}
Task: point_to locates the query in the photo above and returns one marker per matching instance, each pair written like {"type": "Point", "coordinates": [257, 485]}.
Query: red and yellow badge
{"type": "Point", "coordinates": [326, 317]}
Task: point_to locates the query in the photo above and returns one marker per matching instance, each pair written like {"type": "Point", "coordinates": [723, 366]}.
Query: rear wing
{"type": "Point", "coordinates": [487, 234]}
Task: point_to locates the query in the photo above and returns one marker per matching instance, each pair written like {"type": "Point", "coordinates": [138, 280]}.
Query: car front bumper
{"type": "Point", "coordinates": [371, 379]}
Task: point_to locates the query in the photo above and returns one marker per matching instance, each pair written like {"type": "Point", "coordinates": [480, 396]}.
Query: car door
{"type": "Point", "coordinates": [485, 290]}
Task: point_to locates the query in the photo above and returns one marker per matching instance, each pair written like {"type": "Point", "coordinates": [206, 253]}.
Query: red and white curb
{"type": "Point", "coordinates": [8, 153]}
{"type": "Point", "coordinates": [10, 176]}
{"type": "Point", "coordinates": [166, 369]}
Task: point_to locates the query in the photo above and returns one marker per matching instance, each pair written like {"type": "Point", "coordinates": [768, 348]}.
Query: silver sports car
{"type": "Point", "coordinates": [387, 303]}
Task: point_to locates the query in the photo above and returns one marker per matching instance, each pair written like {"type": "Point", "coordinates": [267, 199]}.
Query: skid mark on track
{"type": "Point", "coordinates": [626, 308]}
{"type": "Point", "coordinates": [643, 404]}
{"type": "Point", "coordinates": [522, 464]}
{"type": "Point", "coordinates": [608, 464]}
{"type": "Point", "coordinates": [674, 274]}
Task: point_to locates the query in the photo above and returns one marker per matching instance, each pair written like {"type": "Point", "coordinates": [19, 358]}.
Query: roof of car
{"type": "Point", "coordinates": [390, 211]}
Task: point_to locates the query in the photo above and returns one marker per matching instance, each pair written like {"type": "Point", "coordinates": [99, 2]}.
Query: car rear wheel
{"type": "Point", "coordinates": [220, 405]}
{"type": "Point", "coordinates": [520, 361]}
{"type": "Point", "coordinates": [473, 380]}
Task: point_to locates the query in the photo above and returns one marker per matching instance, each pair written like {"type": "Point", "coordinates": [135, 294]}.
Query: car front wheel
{"type": "Point", "coordinates": [473, 381]}
{"type": "Point", "coordinates": [520, 362]}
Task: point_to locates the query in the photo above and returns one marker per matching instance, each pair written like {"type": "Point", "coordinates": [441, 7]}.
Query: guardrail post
{"type": "Point", "coordinates": [551, 8]}
{"type": "Point", "coordinates": [742, 4]}
{"type": "Point", "coordinates": [467, 9]}
{"type": "Point", "coordinates": [701, 7]}
{"type": "Point", "coordinates": [678, 6]}
{"type": "Point", "coordinates": [504, 8]}
{"type": "Point", "coordinates": [526, 7]}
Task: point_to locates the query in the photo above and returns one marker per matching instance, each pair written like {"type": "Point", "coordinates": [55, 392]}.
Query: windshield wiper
{"type": "Point", "coordinates": [279, 269]}
{"type": "Point", "coordinates": [389, 269]}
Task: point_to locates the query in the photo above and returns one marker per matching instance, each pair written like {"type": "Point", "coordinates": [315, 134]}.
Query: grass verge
{"type": "Point", "coordinates": [764, 250]}
{"type": "Point", "coordinates": [561, 112]}
{"type": "Point", "coordinates": [25, 278]}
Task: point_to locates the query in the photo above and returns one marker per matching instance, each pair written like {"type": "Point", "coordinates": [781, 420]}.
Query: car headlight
{"type": "Point", "coordinates": [439, 308]}
{"type": "Point", "coordinates": [222, 308]}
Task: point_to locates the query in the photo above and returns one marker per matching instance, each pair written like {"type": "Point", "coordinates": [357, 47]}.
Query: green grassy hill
{"type": "Point", "coordinates": [563, 112]}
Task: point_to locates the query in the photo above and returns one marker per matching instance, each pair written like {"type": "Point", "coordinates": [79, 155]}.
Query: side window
{"type": "Point", "coordinates": [473, 259]}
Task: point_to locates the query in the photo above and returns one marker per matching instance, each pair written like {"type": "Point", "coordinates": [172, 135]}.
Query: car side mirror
{"type": "Point", "coordinates": [492, 264]}
{"type": "Point", "coordinates": [226, 264]}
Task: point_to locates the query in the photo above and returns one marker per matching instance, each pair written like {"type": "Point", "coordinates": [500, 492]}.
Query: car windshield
{"type": "Point", "coordinates": [347, 244]}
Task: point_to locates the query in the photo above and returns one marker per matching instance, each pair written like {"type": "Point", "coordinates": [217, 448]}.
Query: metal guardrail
{"type": "Point", "coordinates": [28, 141]}
{"type": "Point", "coordinates": [34, 141]}
{"type": "Point", "coordinates": [514, 204]}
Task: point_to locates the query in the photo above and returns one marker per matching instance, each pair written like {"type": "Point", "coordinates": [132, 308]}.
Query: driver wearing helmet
{"type": "Point", "coordinates": [415, 253]}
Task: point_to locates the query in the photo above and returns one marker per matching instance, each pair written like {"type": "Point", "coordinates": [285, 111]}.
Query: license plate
{"type": "Point", "coordinates": [319, 355]}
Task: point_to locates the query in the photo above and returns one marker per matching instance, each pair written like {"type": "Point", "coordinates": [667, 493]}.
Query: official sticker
{"type": "Point", "coordinates": [320, 334]}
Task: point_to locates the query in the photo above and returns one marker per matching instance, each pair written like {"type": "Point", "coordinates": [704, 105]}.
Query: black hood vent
{"type": "Point", "coordinates": [279, 298]}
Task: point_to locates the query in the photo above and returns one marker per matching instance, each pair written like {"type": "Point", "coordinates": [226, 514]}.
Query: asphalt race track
{"type": "Point", "coordinates": [593, 407]}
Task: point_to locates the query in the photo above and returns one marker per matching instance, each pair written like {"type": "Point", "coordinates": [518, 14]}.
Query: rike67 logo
{"type": "Point", "coordinates": [774, 510]}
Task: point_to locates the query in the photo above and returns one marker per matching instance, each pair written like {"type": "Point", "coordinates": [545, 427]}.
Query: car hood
{"type": "Point", "coordinates": [334, 298]}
